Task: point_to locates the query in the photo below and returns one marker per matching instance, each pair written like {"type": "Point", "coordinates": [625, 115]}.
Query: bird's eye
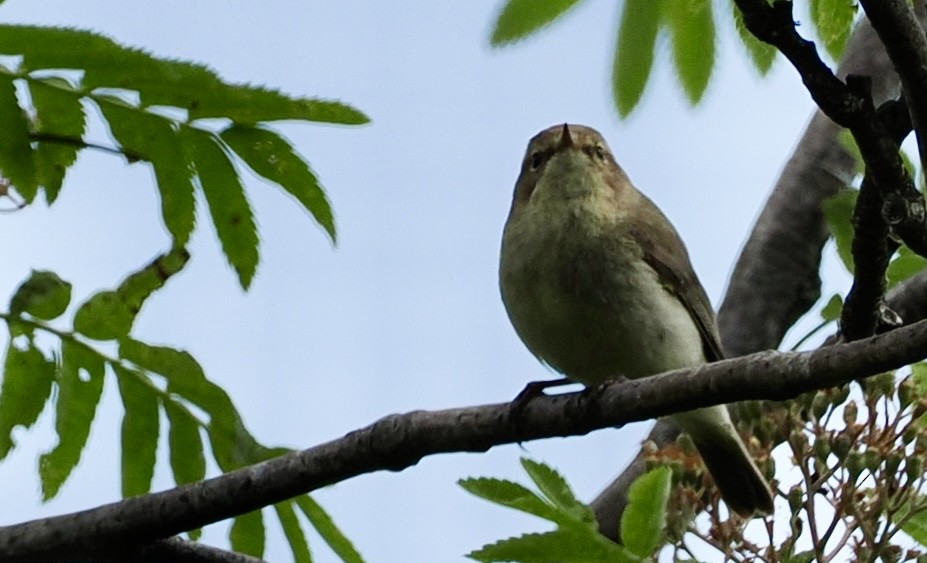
{"type": "Point", "coordinates": [600, 152]}
{"type": "Point", "coordinates": [536, 160]}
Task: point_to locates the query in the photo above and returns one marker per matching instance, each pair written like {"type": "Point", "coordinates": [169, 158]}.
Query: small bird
{"type": "Point", "coordinates": [598, 285]}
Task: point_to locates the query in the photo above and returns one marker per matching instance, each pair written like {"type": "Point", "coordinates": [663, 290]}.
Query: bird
{"type": "Point", "coordinates": [599, 286]}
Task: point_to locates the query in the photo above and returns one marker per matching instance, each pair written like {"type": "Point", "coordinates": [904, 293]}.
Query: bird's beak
{"type": "Point", "coordinates": [566, 141]}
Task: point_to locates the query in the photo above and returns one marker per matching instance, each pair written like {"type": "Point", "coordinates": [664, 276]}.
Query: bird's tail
{"type": "Point", "coordinates": [742, 486]}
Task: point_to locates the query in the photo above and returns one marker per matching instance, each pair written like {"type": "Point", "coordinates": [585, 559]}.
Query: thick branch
{"type": "Point", "coordinates": [781, 258]}
{"type": "Point", "coordinates": [400, 441]}
{"type": "Point", "coordinates": [864, 311]}
{"type": "Point", "coordinates": [174, 550]}
{"type": "Point", "coordinates": [903, 37]}
{"type": "Point", "coordinates": [847, 104]}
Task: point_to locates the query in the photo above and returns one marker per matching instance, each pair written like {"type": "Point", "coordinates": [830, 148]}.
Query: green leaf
{"type": "Point", "coordinates": [834, 21]}
{"type": "Point", "coordinates": [80, 383]}
{"type": "Point", "coordinates": [228, 205]}
{"type": "Point", "coordinates": [520, 18]}
{"type": "Point", "coordinates": [634, 48]}
{"type": "Point", "coordinates": [232, 445]}
{"type": "Point", "coordinates": [919, 373]}
{"type": "Point", "coordinates": [109, 315]}
{"type": "Point", "coordinates": [140, 427]}
{"type": "Point", "coordinates": [692, 33]}
{"type": "Point", "coordinates": [763, 55]}
{"type": "Point", "coordinates": [293, 532]}
{"type": "Point", "coordinates": [848, 142]}
{"type": "Point", "coordinates": [326, 528]}
{"type": "Point", "coordinates": [17, 162]}
{"type": "Point", "coordinates": [838, 211]}
{"type": "Point", "coordinates": [26, 387]}
{"type": "Point", "coordinates": [905, 265]}
{"type": "Point", "coordinates": [247, 534]}
{"type": "Point", "coordinates": [271, 156]}
{"type": "Point", "coordinates": [831, 311]}
{"type": "Point", "coordinates": [59, 126]}
{"type": "Point", "coordinates": [510, 494]}
{"type": "Point", "coordinates": [43, 295]}
{"type": "Point", "coordinates": [104, 317]}
{"type": "Point", "coordinates": [248, 105]}
{"type": "Point", "coordinates": [187, 461]}
{"type": "Point", "coordinates": [138, 286]}
{"type": "Point", "coordinates": [188, 86]}
{"type": "Point", "coordinates": [916, 524]}
{"type": "Point", "coordinates": [803, 557]}
{"type": "Point", "coordinates": [156, 139]}
{"type": "Point", "coordinates": [565, 545]}
{"type": "Point", "coordinates": [645, 517]}
{"type": "Point", "coordinates": [557, 490]}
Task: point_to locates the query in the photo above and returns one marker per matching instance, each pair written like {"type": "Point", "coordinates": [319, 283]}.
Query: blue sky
{"type": "Point", "coordinates": [404, 313]}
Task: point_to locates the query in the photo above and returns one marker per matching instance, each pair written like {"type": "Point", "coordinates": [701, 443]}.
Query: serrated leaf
{"type": "Point", "coordinates": [105, 316]}
{"type": "Point", "coordinates": [249, 105]}
{"type": "Point", "coordinates": [645, 516]}
{"type": "Point", "coordinates": [26, 387]}
{"type": "Point", "coordinates": [271, 156]}
{"type": "Point", "coordinates": [510, 494]}
{"type": "Point", "coordinates": [59, 126]}
{"type": "Point", "coordinates": [189, 86]}
{"type": "Point", "coordinates": [831, 311]}
{"type": "Point", "coordinates": [156, 139]}
{"type": "Point", "coordinates": [17, 162]}
{"type": "Point", "coordinates": [915, 525]}
{"type": "Point", "coordinates": [833, 20]}
{"type": "Point", "coordinates": [186, 445]}
{"type": "Point", "coordinates": [905, 265]}
{"type": "Point", "coordinates": [327, 529]}
{"type": "Point", "coordinates": [81, 375]}
{"type": "Point", "coordinates": [838, 212]}
{"type": "Point", "coordinates": [231, 213]}
{"type": "Point", "coordinates": [565, 545]}
{"type": "Point", "coordinates": [557, 490]}
{"type": "Point", "coordinates": [43, 295]}
{"type": "Point", "coordinates": [140, 428]}
{"type": "Point", "coordinates": [247, 534]}
{"type": "Point", "coordinates": [763, 55]}
{"type": "Point", "coordinates": [293, 532]}
{"type": "Point", "coordinates": [232, 445]}
{"type": "Point", "coordinates": [634, 49]}
{"type": "Point", "coordinates": [692, 34]}
{"type": "Point", "coordinates": [520, 18]}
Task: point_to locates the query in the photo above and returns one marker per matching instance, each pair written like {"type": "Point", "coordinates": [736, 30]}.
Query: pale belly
{"type": "Point", "coordinates": [595, 314]}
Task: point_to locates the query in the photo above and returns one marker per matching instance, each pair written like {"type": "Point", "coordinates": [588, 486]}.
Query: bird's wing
{"type": "Point", "coordinates": [664, 251]}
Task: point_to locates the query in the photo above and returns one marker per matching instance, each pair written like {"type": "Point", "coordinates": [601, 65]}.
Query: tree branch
{"type": "Point", "coordinates": [781, 258]}
{"type": "Point", "coordinates": [851, 106]}
{"type": "Point", "coordinates": [780, 261]}
{"type": "Point", "coordinates": [174, 550]}
{"type": "Point", "coordinates": [903, 37]}
{"type": "Point", "coordinates": [400, 441]}
{"type": "Point", "coordinates": [865, 312]}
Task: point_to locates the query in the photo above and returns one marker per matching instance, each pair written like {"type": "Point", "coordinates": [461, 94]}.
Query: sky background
{"type": "Point", "coordinates": [405, 312]}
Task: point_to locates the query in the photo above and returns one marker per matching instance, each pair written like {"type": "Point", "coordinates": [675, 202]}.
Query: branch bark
{"type": "Point", "coordinates": [897, 26]}
{"type": "Point", "coordinates": [400, 441]}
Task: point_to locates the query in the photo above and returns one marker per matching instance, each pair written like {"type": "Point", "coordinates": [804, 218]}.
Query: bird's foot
{"type": "Point", "coordinates": [531, 391]}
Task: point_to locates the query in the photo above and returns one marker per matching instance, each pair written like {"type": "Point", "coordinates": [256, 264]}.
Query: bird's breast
{"type": "Point", "coordinates": [585, 302]}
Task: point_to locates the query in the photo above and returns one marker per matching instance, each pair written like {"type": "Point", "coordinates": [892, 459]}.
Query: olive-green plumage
{"type": "Point", "coordinates": [598, 285]}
